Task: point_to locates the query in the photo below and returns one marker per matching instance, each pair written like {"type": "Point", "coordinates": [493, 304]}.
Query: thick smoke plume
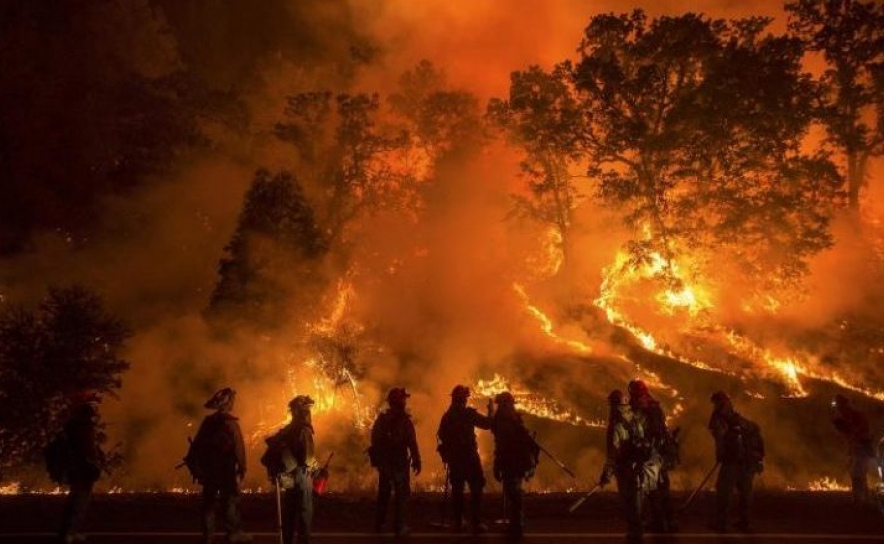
{"type": "Point", "coordinates": [452, 292]}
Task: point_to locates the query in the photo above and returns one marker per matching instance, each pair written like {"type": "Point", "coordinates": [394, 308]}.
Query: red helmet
{"type": "Point", "coordinates": [637, 388]}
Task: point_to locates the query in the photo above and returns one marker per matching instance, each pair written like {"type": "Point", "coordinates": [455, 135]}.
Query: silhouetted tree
{"type": "Point", "coordinates": [97, 87]}
{"type": "Point", "coordinates": [437, 120]}
{"type": "Point", "coordinates": [849, 34]}
{"type": "Point", "coordinates": [49, 357]}
{"type": "Point", "coordinates": [272, 264]}
{"type": "Point", "coordinates": [694, 126]}
{"type": "Point", "coordinates": [341, 150]}
{"type": "Point", "coordinates": [542, 115]}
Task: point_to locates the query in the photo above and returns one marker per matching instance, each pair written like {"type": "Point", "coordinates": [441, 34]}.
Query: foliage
{"type": "Point", "coordinates": [96, 87]}
{"type": "Point", "coordinates": [849, 35]}
{"type": "Point", "coordinates": [694, 127]}
{"type": "Point", "coordinates": [543, 115]}
{"type": "Point", "coordinates": [272, 262]}
{"type": "Point", "coordinates": [49, 357]}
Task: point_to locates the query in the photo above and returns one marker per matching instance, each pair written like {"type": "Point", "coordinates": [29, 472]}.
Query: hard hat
{"type": "Point", "coordinates": [301, 401]}
{"type": "Point", "coordinates": [397, 394]}
{"type": "Point", "coordinates": [615, 397]}
{"type": "Point", "coordinates": [637, 388]}
{"type": "Point", "coordinates": [505, 398]}
{"type": "Point", "coordinates": [221, 398]}
{"type": "Point", "coordinates": [719, 398]}
{"type": "Point", "coordinates": [460, 392]}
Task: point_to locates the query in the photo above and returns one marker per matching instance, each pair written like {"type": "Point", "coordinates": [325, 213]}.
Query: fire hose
{"type": "Point", "coordinates": [554, 459]}
{"type": "Point", "coordinates": [584, 498]}
{"type": "Point", "coordinates": [700, 487]}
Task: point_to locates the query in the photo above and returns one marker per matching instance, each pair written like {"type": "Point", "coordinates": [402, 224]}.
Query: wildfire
{"type": "Point", "coordinates": [824, 484]}
{"type": "Point", "coordinates": [13, 488]}
{"type": "Point", "coordinates": [546, 324]}
{"type": "Point", "coordinates": [679, 295]}
{"type": "Point", "coordinates": [547, 262]}
{"type": "Point", "coordinates": [532, 403]}
{"type": "Point", "coordinates": [325, 376]}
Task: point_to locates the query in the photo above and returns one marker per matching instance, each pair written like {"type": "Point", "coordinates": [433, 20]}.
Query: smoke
{"type": "Point", "coordinates": [433, 301]}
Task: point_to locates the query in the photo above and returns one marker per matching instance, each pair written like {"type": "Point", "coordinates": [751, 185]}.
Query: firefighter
{"type": "Point", "coordinates": [515, 458]}
{"type": "Point", "coordinates": [662, 514]}
{"type": "Point", "coordinates": [393, 448]}
{"type": "Point", "coordinates": [85, 459]}
{"type": "Point", "coordinates": [297, 441]}
{"type": "Point", "coordinates": [854, 426]}
{"type": "Point", "coordinates": [628, 453]}
{"type": "Point", "coordinates": [739, 449]}
{"type": "Point", "coordinates": [460, 453]}
{"type": "Point", "coordinates": [220, 455]}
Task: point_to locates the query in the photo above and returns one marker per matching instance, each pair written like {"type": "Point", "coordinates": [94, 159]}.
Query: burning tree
{"type": "Point", "coordinates": [694, 128]}
{"type": "Point", "coordinates": [543, 115]}
{"type": "Point", "coordinates": [850, 37]}
{"type": "Point", "coordinates": [48, 357]}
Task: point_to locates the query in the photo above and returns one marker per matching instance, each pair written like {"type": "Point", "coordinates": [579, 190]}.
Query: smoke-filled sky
{"type": "Point", "coordinates": [109, 182]}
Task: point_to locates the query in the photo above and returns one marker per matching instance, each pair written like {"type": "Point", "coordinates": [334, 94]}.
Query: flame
{"type": "Point", "coordinates": [533, 403]}
{"type": "Point", "coordinates": [680, 297]}
{"type": "Point", "coordinates": [824, 484]}
{"type": "Point", "coordinates": [319, 378]}
{"type": "Point", "coordinates": [546, 324]}
{"type": "Point", "coordinates": [12, 488]}
{"type": "Point", "coordinates": [547, 262]}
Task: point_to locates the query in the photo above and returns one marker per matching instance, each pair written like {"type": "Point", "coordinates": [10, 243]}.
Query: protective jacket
{"type": "Point", "coordinates": [394, 441]}
{"type": "Point", "coordinates": [738, 441]}
{"type": "Point", "coordinates": [219, 451]}
{"type": "Point", "coordinates": [86, 456]}
{"type": "Point", "coordinates": [457, 436]}
{"type": "Point", "coordinates": [515, 451]}
{"type": "Point", "coordinates": [855, 427]}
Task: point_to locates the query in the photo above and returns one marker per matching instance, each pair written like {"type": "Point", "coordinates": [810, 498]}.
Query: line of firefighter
{"type": "Point", "coordinates": [640, 452]}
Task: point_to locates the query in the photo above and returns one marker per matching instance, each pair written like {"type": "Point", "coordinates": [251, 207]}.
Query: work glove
{"type": "Point", "coordinates": [416, 467]}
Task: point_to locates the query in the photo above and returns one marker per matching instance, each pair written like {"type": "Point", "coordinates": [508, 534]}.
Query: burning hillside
{"type": "Point", "coordinates": [667, 196]}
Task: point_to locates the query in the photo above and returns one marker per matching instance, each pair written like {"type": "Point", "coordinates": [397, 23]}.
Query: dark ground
{"type": "Point", "coordinates": [144, 518]}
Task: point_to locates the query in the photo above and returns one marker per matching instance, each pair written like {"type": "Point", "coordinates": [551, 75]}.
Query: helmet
{"type": "Point", "coordinates": [637, 388]}
{"type": "Point", "coordinates": [221, 398]}
{"type": "Point", "coordinates": [505, 399]}
{"type": "Point", "coordinates": [397, 394]}
{"type": "Point", "coordinates": [615, 397]}
{"type": "Point", "coordinates": [301, 401]}
{"type": "Point", "coordinates": [460, 392]}
{"type": "Point", "coordinates": [720, 397]}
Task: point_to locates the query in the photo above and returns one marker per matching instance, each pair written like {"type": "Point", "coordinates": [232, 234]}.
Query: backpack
{"type": "Point", "coordinates": [58, 457]}
{"type": "Point", "coordinates": [212, 442]}
{"type": "Point", "coordinates": [389, 439]}
{"type": "Point", "coordinates": [743, 442]}
{"type": "Point", "coordinates": [277, 458]}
